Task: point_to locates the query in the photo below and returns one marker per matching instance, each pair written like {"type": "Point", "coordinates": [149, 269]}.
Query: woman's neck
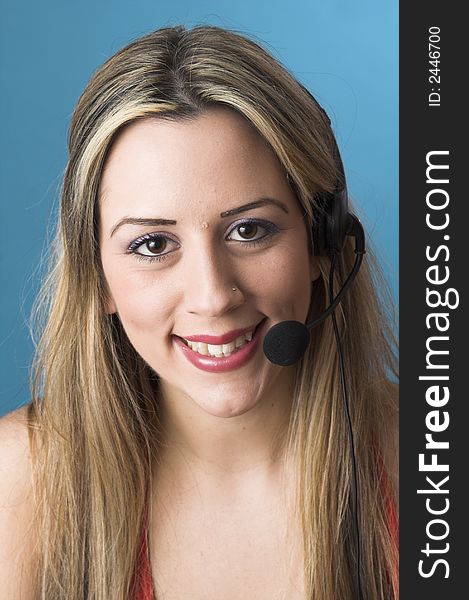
{"type": "Point", "coordinates": [225, 447]}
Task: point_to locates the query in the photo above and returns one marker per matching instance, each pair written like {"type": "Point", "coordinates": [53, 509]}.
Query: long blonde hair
{"type": "Point", "coordinates": [94, 410]}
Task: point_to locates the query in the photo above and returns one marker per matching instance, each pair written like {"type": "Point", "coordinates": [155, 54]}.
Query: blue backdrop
{"type": "Point", "coordinates": [344, 51]}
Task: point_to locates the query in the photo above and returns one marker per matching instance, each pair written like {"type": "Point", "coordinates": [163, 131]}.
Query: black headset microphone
{"type": "Point", "coordinates": [286, 342]}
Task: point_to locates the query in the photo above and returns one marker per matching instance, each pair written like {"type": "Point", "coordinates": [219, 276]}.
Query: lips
{"type": "Point", "coordinates": [224, 363]}
{"type": "Point", "coordinates": [226, 338]}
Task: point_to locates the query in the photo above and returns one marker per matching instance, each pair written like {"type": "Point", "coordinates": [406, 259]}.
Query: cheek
{"type": "Point", "coordinates": [283, 282]}
{"type": "Point", "coordinates": [142, 300]}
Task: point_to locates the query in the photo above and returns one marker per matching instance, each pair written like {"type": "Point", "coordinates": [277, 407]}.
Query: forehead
{"type": "Point", "coordinates": [204, 163]}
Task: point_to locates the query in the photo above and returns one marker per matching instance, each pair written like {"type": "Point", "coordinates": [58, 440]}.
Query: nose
{"type": "Point", "coordinates": [209, 285]}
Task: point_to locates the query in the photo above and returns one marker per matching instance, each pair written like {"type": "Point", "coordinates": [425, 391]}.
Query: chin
{"type": "Point", "coordinates": [226, 407]}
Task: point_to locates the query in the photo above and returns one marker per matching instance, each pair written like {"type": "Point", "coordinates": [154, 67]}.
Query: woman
{"type": "Point", "coordinates": [166, 450]}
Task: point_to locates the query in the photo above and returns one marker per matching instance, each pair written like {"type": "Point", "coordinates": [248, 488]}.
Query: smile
{"type": "Point", "coordinates": [217, 358]}
{"type": "Point", "coordinates": [220, 350]}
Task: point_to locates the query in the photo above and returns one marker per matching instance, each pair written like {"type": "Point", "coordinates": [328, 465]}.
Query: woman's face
{"type": "Point", "coordinates": [188, 211]}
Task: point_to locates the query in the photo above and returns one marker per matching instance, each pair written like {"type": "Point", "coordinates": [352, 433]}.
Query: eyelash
{"type": "Point", "coordinates": [269, 227]}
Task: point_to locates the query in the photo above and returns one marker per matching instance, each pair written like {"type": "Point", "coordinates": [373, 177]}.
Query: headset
{"type": "Point", "coordinates": [286, 342]}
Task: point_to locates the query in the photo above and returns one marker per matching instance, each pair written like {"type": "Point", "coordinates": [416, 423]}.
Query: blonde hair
{"type": "Point", "coordinates": [94, 410]}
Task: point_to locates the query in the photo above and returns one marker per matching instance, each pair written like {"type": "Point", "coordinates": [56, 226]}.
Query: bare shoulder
{"type": "Point", "coordinates": [14, 434]}
{"type": "Point", "coordinates": [17, 541]}
{"type": "Point", "coordinates": [15, 466]}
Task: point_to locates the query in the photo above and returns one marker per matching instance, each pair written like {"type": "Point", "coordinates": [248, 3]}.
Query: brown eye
{"type": "Point", "coordinates": [251, 233]}
{"type": "Point", "coordinates": [153, 246]}
{"type": "Point", "coordinates": [156, 245]}
{"type": "Point", "coordinates": [248, 230]}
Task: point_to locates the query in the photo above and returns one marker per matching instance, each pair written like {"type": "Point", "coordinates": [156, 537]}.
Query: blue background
{"type": "Point", "coordinates": [344, 51]}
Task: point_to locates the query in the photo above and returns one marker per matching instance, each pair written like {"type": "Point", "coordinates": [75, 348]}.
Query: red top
{"type": "Point", "coordinates": [393, 527]}
{"type": "Point", "coordinates": [144, 582]}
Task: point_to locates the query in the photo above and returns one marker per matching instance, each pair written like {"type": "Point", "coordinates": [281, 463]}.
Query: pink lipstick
{"type": "Point", "coordinates": [222, 364]}
{"type": "Point", "coordinates": [226, 338]}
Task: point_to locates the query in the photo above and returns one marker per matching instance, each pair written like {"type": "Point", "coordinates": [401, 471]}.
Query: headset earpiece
{"type": "Point", "coordinates": [330, 229]}
{"type": "Point", "coordinates": [331, 226]}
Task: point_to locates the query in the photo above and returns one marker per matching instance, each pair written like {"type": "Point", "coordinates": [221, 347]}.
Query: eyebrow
{"type": "Point", "coordinates": [255, 204]}
{"type": "Point", "coordinates": [227, 213]}
{"type": "Point", "coordinates": [141, 221]}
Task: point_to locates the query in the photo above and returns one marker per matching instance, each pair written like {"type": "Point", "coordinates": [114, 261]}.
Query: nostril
{"type": "Point", "coordinates": [212, 301]}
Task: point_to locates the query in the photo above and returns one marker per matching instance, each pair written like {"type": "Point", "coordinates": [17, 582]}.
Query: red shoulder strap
{"type": "Point", "coordinates": [144, 589]}
{"type": "Point", "coordinates": [392, 522]}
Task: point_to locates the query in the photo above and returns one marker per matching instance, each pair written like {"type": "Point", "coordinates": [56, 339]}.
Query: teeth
{"type": "Point", "coordinates": [199, 347]}
{"type": "Point", "coordinates": [220, 350]}
{"type": "Point", "coordinates": [228, 348]}
{"type": "Point", "coordinates": [215, 350]}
